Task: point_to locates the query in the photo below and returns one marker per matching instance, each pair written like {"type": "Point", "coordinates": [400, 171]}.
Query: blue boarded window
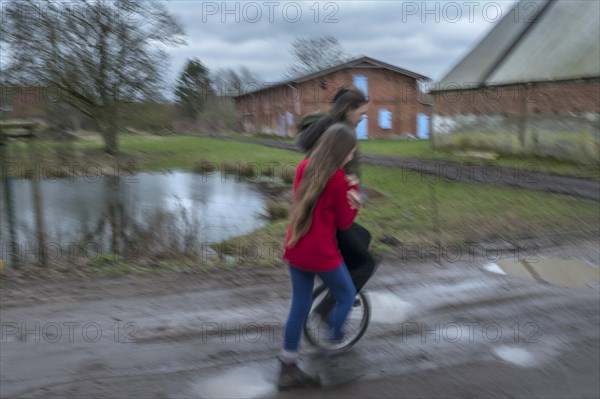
{"type": "Point", "coordinates": [385, 119]}
{"type": "Point", "coordinates": [361, 83]}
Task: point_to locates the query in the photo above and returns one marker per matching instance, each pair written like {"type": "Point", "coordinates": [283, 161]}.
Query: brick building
{"type": "Point", "coordinates": [24, 101]}
{"type": "Point", "coordinates": [397, 105]}
{"type": "Point", "coordinates": [531, 86]}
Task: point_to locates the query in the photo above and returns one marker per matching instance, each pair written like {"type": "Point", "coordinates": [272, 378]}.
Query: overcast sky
{"type": "Point", "coordinates": [427, 37]}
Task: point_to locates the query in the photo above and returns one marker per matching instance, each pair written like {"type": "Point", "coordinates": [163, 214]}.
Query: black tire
{"type": "Point", "coordinates": [315, 329]}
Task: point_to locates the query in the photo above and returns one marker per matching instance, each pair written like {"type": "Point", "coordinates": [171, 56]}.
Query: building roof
{"type": "Point", "coordinates": [536, 41]}
{"type": "Point", "coordinates": [361, 62]}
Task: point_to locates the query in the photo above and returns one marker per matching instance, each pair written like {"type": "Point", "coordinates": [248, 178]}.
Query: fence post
{"type": "Point", "coordinates": [8, 200]}
{"type": "Point", "coordinates": [40, 229]}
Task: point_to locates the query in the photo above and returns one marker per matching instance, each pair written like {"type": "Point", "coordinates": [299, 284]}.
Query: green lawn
{"type": "Point", "coordinates": [404, 209]}
{"type": "Point", "coordinates": [183, 152]}
{"type": "Point", "coordinates": [466, 212]}
{"type": "Point", "coordinates": [156, 153]}
{"type": "Point", "coordinates": [422, 149]}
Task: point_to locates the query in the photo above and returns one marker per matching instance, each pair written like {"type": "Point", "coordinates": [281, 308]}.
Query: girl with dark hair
{"type": "Point", "coordinates": [322, 206]}
{"type": "Point", "coordinates": [349, 105]}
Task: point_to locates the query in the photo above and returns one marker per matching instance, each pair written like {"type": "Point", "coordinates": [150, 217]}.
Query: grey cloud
{"type": "Point", "coordinates": [385, 30]}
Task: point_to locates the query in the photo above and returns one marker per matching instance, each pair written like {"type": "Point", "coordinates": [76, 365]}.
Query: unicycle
{"type": "Point", "coordinates": [316, 330]}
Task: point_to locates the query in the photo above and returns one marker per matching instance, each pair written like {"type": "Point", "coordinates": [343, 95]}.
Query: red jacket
{"type": "Point", "coordinates": [318, 249]}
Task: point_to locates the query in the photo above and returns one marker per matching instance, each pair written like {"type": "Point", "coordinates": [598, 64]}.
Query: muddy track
{"type": "Point", "coordinates": [478, 173]}
{"type": "Point", "coordinates": [449, 330]}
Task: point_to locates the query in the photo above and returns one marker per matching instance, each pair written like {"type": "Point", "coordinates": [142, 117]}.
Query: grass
{"type": "Point", "coordinates": [467, 213]}
{"type": "Point", "coordinates": [155, 153]}
{"type": "Point", "coordinates": [275, 137]}
{"type": "Point", "coordinates": [276, 210]}
{"type": "Point", "coordinates": [159, 153]}
{"type": "Point", "coordinates": [404, 211]}
{"type": "Point", "coordinates": [422, 149]}
{"type": "Point", "coordinates": [182, 152]}
{"type": "Point", "coordinates": [108, 267]}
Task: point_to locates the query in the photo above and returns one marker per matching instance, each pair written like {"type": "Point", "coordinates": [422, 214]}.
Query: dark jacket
{"type": "Point", "coordinates": [307, 138]}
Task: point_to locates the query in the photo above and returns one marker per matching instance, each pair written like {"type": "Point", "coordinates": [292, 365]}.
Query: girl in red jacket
{"type": "Point", "coordinates": [324, 202]}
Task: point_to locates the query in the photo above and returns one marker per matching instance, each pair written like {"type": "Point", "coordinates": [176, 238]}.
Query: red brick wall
{"type": "Point", "coordinates": [27, 101]}
{"type": "Point", "coordinates": [557, 119]}
{"type": "Point", "coordinates": [537, 98]}
{"type": "Point", "coordinates": [387, 89]}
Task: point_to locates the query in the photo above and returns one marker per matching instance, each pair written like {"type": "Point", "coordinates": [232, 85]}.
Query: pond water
{"type": "Point", "coordinates": [165, 207]}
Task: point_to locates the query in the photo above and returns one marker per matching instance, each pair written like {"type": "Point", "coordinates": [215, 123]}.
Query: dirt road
{"type": "Point", "coordinates": [449, 329]}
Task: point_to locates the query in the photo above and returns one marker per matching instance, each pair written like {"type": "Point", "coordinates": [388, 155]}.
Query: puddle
{"type": "Point", "coordinates": [447, 289]}
{"type": "Point", "coordinates": [569, 273]}
{"type": "Point", "coordinates": [244, 383]}
{"type": "Point", "coordinates": [517, 356]}
{"type": "Point", "coordinates": [494, 268]}
{"type": "Point", "coordinates": [388, 308]}
{"type": "Point", "coordinates": [536, 353]}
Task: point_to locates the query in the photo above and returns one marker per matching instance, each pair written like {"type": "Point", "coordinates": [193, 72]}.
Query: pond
{"type": "Point", "coordinates": [169, 210]}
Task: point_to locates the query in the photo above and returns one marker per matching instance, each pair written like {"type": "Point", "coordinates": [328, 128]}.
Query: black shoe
{"type": "Point", "coordinates": [291, 376]}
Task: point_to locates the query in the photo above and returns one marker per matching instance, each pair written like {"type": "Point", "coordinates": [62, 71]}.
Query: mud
{"type": "Point", "coordinates": [439, 329]}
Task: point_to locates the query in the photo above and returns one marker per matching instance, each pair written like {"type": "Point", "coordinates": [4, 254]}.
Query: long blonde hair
{"type": "Point", "coordinates": [329, 154]}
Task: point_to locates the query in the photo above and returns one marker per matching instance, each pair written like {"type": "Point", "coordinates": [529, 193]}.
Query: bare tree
{"type": "Point", "coordinates": [315, 54]}
{"type": "Point", "coordinates": [249, 80]}
{"type": "Point", "coordinates": [97, 54]}
{"type": "Point", "coordinates": [228, 82]}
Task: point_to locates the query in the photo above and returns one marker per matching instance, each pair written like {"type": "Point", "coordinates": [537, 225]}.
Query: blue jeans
{"type": "Point", "coordinates": [341, 285]}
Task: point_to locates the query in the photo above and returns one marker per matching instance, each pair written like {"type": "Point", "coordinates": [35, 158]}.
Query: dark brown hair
{"type": "Point", "coordinates": [346, 99]}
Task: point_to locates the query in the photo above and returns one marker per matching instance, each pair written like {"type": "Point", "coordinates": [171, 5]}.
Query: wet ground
{"type": "Point", "coordinates": [457, 328]}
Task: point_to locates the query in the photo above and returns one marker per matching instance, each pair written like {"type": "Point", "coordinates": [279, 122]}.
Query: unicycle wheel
{"type": "Point", "coordinates": [317, 331]}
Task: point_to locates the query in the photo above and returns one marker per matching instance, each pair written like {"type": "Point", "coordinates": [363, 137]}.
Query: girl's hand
{"type": "Point", "coordinates": [352, 180]}
{"type": "Point", "coordinates": [354, 199]}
